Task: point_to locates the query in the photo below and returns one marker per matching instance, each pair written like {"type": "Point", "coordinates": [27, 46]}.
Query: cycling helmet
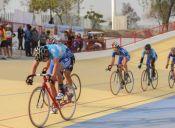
{"type": "Point", "coordinates": [173, 49]}
{"type": "Point", "coordinates": [115, 44]}
{"type": "Point", "coordinates": [40, 53]}
{"type": "Point", "coordinates": [147, 47]}
{"type": "Point", "coordinates": [52, 40]}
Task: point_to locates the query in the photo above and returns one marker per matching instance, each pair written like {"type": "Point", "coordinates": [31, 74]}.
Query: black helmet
{"type": "Point", "coordinates": [147, 47]}
{"type": "Point", "coordinates": [40, 53]}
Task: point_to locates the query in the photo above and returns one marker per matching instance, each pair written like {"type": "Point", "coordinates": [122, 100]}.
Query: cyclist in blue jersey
{"type": "Point", "coordinates": [124, 57]}
{"type": "Point", "coordinates": [56, 56]}
{"type": "Point", "coordinates": [171, 55]}
{"type": "Point", "coordinates": [151, 57]}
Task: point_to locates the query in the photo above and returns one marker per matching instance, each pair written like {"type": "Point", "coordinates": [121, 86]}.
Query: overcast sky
{"type": "Point", "coordinates": [102, 6]}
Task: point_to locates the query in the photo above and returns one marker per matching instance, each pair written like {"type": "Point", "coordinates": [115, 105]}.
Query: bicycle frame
{"type": "Point", "coordinates": [44, 85]}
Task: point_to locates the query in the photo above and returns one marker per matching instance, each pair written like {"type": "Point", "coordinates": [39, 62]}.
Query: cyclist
{"type": "Point", "coordinates": [124, 57]}
{"type": "Point", "coordinates": [171, 54]}
{"type": "Point", "coordinates": [151, 58]}
{"type": "Point", "coordinates": [60, 56]}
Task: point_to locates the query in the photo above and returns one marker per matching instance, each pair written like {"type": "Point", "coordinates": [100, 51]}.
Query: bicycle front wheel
{"type": "Point", "coordinates": [67, 105]}
{"type": "Point", "coordinates": [129, 82]}
{"type": "Point", "coordinates": [155, 80]}
{"type": "Point", "coordinates": [76, 85]}
{"type": "Point", "coordinates": [144, 80]}
{"type": "Point", "coordinates": [38, 110]}
{"type": "Point", "coordinates": [170, 80]}
{"type": "Point", "coordinates": [115, 83]}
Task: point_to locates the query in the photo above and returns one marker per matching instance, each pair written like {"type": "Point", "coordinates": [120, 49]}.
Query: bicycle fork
{"type": "Point", "coordinates": [41, 95]}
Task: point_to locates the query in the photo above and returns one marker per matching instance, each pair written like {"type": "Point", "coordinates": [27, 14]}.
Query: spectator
{"type": "Point", "coordinates": [71, 37]}
{"type": "Point", "coordinates": [66, 35]}
{"type": "Point", "coordinates": [28, 40]}
{"type": "Point", "coordinates": [85, 40]}
{"type": "Point", "coordinates": [35, 39]}
{"type": "Point", "coordinates": [101, 40]}
{"type": "Point", "coordinates": [78, 43]}
{"type": "Point", "coordinates": [42, 38]}
{"type": "Point", "coordinates": [48, 34]}
{"type": "Point", "coordinates": [20, 37]}
{"type": "Point", "coordinates": [51, 20]}
{"type": "Point", "coordinates": [9, 36]}
{"type": "Point", "coordinates": [3, 42]}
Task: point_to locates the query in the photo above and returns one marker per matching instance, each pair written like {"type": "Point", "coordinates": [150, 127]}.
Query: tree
{"type": "Point", "coordinates": [95, 18]}
{"type": "Point", "coordinates": [132, 17]}
{"type": "Point", "coordinates": [78, 10]}
{"type": "Point", "coordinates": [162, 9]}
{"type": "Point", "coordinates": [43, 5]}
{"type": "Point", "coordinates": [59, 7]}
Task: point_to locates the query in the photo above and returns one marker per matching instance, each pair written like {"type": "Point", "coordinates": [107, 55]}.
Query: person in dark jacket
{"type": "Point", "coordinates": [20, 37]}
{"type": "Point", "coordinates": [28, 40]}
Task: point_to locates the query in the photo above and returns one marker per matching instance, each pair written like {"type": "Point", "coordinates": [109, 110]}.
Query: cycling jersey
{"type": "Point", "coordinates": [121, 53]}
{"type": "Point", "coordinates": [171, 56]}
{"type": "Point", "coordinates": [65, 56]}
{"type": "Point", "coordinates": [152, 54]}
{"type": "Point", "coordinates": [59, 51]}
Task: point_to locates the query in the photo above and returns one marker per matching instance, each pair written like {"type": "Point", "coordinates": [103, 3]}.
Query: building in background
{"type": "Point", "coordinates": [118, 22]}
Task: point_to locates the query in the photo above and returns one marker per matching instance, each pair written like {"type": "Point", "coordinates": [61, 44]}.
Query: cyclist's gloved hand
{"type": "Point", "coordinates": [109, 67]}
{"type": "Point", "coordinates": [140, 66]}
{"type": "Point", "coordinates": [29, 80]}
{"type": "Point", "coordinates": [44, 71]}
{"type": "Point", "coordinates": [166, 66]}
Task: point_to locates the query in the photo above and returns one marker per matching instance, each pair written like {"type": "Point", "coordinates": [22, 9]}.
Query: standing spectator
{"type": "Point", "coordinates": [9, 35]}
{"type": "Point", "coordinates": [35, 38]}
{"type": "Point", "coordinates": [28, 40]}
{"type": "Point", "coordinates": [20, 37]}
{"type": "Point", "coordinates": [101, 40]}
{"type": "Point", "coordinates": [51, 20]}
{"type": "Point", "coordinates": [71, 37]}
{"type": "Point", "coordinates": [42, 38]}
{"type": "Point", "coordinates": [3, 42]}
{"type": "Point", "coordinates": [78, 43]}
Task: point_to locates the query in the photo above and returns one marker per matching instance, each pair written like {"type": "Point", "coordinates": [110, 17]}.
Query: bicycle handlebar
{"type": "Point", "coordinates": [39, 75]}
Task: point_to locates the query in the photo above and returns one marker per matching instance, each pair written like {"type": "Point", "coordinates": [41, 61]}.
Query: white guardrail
{"type": "Point", "coordinates": [131, 47]}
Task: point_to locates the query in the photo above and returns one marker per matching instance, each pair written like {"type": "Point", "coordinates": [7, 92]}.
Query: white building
{"type": "Point", "coordinates": [118, 22]}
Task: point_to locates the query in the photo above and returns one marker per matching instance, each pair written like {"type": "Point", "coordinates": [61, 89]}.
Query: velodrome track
{"type": "Point", "coordinates": [96, 99]}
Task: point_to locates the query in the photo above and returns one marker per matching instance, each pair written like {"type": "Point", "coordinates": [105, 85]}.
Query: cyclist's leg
{"type": "Point", "coordinates": [153, 60]}
{"type": "Point", "coordinates": [124, 63]}
{"type": "Point", "coordinates": [125, 67]}
{"type": "Point", "coordinates": [172, 67]}
{"type": "Point", "coordinates": [120, 59]}
{"type": "Point", "coordinates": [68, 69]}
{"type": "Point", "coordinates": [148, 62]}
{"type": "Point", "coordinates": [60, 80]}
{"type": "Point", "coordinates": [52, 85]}
{"type": "Point", "coordinates": [119, 64]}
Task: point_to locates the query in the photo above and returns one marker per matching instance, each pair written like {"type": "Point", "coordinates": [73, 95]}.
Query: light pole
{"type": "Point", "coordinates": [113, 13]}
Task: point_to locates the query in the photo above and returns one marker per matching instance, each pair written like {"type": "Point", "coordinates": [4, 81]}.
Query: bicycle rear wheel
{"type": "Point", "coordinates": [170, 80]}
{"type": "Point", "coordinates": [144, 80]}
{"type": "Point", "coordinates": [115, 83]}
{"type": "Point", "coordinates": [76, 85]}
{"type": "Point", "coordinates": [68, 103]}
{"type": "Point", "coordinates": [154, 82]}
{"type": "Point", "coordinates": [129, 82]}
{"type": "Point", "coordinates": [38, 110]}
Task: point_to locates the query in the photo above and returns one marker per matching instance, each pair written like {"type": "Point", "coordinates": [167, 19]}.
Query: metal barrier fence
{"type": "Point", "coordinates": [134, 37]}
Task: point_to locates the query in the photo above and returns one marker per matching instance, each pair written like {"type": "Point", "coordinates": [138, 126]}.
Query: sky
{"type": "Point", "coordinates": [101, 6]}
